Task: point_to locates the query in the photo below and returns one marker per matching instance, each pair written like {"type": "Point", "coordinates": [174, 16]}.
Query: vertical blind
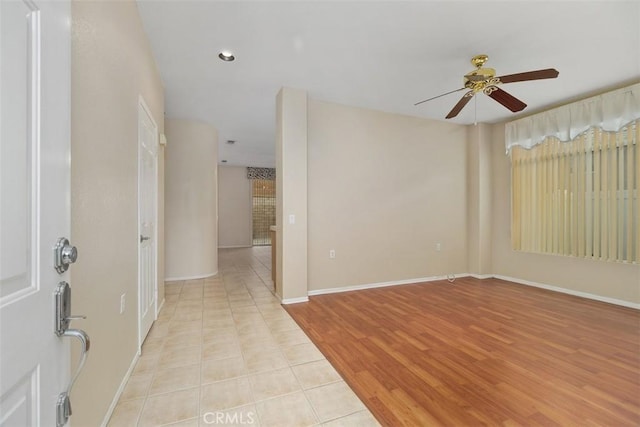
{"type": "Point", "coordinates": [580, 197]}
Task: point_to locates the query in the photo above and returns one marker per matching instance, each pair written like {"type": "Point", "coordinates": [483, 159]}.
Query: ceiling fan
{"type": "Point", "coordinates": [484, 80]}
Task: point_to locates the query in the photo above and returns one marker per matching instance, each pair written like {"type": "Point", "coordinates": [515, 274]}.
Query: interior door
{"type": "Point", "coordinates": [147, 213]}
{"type": "Point", "coordinates": [34, 205]}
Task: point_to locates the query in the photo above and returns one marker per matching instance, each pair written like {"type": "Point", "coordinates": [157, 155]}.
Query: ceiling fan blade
{"type": "Point", "coordinates": [548, 73]}
{"type": "Point", "coordinates": [460, 105]}
{"type": "Point", "coordinates": [439, 96]}
{"type": "Point", "coordinates": [509, 101]}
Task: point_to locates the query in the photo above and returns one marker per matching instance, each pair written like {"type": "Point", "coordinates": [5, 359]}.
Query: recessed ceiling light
{"type": "Point", "coordinates": [226, 55]}
{"type": "Point", "coordinates": [223, 161]}
{"type": "Point", "coordinates": [231, 141]}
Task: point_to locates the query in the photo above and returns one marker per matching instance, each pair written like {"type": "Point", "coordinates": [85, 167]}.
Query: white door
{"type": "Point", "coordinates": [147, 206]}
{"type": "Point", "coordinates": [34, 205]}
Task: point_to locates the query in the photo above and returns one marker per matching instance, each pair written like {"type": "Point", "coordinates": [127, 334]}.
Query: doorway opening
{"type": "Point", "coordinates": [263, 197]}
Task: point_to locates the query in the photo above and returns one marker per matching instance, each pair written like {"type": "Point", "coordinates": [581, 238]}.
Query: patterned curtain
{"type": "Point", "coordinates": [261, 173]}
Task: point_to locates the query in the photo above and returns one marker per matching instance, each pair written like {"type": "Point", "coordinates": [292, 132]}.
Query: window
{"type": "Point", "coordinates": [579, 198]}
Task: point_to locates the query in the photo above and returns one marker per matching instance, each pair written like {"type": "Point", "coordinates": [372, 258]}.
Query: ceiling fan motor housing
{"type": "Point", "coordinates": [478, 79]}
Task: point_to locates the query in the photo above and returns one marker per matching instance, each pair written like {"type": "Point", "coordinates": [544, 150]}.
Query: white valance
{"type": "Point", "coordinates": [610, 112]}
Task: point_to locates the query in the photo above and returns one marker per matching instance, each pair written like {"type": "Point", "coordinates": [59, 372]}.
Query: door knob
{"type": "Point", "coordinates": [62, 320]}
{"type": "Point", "coordinates": [63, 255]}
{"type": "Point", "coordinates": [63, 406]}
{"type": "Point", "coordinates": [143, 238]}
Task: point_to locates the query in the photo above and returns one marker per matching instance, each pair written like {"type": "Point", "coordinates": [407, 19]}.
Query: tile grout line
{"type": "Point", "coordinates": [280, 348]}
{"type": "Point", "coordinates": [253, 399]}
{"type": "Point", "coordinates": [199, 405]}
{"type": "Point", "coordinates": [155, 367]}
{"type": "Point", "coordinates": [240, 279]}
{"type": "Point", "coordinates": [146, 394]}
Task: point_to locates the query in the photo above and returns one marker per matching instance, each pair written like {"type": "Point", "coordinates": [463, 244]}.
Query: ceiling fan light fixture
{"type": "Point", "coordinates": [484, 80]}
{"type": "Point", "coordinates": [226, 56]}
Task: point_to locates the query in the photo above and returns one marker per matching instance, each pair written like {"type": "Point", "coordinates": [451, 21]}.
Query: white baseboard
{"type": "Point", "coordinates": [476, 276]}
{"type": "Point", "coordinates": [286, 301]}
{"type": "Point", "coordinates": [570, 292]}
{"type": "Point", "coordinates": [235, 247]}
{"type": "Point", "coordinates": [203, 276]}
{"type": "Point", "coordinates": [480, 276]}
{"type": "Point", "coordinates": [159, 308]}
{"type": "Point", "coordinates": [123, 384]}
{"type": "Point", "coordinates": [382, 284]}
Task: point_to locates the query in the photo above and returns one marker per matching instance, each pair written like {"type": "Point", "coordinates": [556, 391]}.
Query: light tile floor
{"type": "Point", "coordinates": [224, 352]}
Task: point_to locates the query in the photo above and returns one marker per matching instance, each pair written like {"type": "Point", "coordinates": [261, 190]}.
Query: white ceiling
{"type": "Point", "coordinates": [383, 55]}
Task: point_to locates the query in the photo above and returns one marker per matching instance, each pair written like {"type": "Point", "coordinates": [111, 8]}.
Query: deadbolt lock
{"type": "Point", "coordinates": [63, 255]}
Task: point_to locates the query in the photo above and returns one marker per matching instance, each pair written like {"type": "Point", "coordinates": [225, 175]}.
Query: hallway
{"type": "Point", "coordinates": [224, 352]}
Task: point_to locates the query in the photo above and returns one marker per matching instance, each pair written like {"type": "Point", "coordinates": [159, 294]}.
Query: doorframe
{"type": "Point", "coordinates": [142, 106]}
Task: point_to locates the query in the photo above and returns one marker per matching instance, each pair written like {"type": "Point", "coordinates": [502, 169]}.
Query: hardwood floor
{"type": "Point", "coordinates": [481, 352]}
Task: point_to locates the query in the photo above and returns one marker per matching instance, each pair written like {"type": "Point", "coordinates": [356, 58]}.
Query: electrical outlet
{"type": "Point", "coordinates": [332, 253]}
{"type": "Point", "coordinates": [122, 301]}
{"type": "Point", "coordinates": [438, 247]}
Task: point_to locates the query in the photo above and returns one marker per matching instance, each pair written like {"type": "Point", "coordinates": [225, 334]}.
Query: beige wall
{"type": "Point", "coordinates": [234, 207]}
{"type": "Point", "coordinates": [191, 200]}
{"type": "Point", "coordinates": [112, 66]}
{"type": "Point", "coordinates": [606, 279]}
{"type": "Point", "coordinates": [479, 199]}
{"type": "Point", "coordinates": [291, 194]}
{"type": "Point", "coordinates": [383, 190]}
